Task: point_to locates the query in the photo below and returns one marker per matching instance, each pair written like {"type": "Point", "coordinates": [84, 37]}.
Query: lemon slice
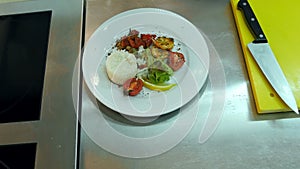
{"type": "Point", "coordinates": [156, 87]}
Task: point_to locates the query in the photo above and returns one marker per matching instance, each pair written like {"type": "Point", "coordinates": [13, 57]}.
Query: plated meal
{"type": "Point", "coordinates": [144, 67]}
{"type": "Point", "coordinates": [140, 60]}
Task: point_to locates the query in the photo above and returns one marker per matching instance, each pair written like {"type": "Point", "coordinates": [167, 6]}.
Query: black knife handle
{"type": "Point", "coordinates": [253, 23]}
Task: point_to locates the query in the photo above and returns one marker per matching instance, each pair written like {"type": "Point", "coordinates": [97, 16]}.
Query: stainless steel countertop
{"type": "Point", "coordinates": [224, 130]}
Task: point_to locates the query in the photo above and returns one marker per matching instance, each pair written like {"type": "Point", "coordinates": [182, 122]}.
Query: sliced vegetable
{"type": "Point", "coordinates": [175, 60]}
{"type": "Point", "coordinates": [133, 86]}
{"type": "Point", "coordinates": [160, 87]}
{"type": "Point", "coordinates": [164, 43]}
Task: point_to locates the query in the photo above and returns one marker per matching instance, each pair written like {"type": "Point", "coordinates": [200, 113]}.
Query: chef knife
{"type": "Point", "coordinates": [264, 57]}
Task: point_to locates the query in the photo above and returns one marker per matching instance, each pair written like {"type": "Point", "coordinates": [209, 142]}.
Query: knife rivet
{"type": "Point", "coordinates": [261, 35]}
{"type": "Point", "coordinates": [252, 19]}
{"type": "Point", "coordinates": [244, 3]}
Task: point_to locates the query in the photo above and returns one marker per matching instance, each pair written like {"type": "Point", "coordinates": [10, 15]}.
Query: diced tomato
{"type": "Point", "coordinates": [133, 86]}
{"type": "Point", "coordinates": [175, 60]}
{"type": "Point", "coordinates": [124, 43]}
{"type": "Point", "coordinates": [138, 42]}
{"type": "Point", "coordinates": [135, 42]}
{"type": "Point", "coordinates": [131, 41]}
{"type": "Point", "coordinates": [147, 38]}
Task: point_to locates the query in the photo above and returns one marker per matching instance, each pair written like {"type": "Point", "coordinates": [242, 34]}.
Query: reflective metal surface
{"type": "Point", "coordinates": [218, 129]}
{"type": "Point", "coordinates": [55, 133]}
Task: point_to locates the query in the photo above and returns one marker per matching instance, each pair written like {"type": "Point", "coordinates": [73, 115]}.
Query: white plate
{"type": "Point", "coordinates": [190, 78]}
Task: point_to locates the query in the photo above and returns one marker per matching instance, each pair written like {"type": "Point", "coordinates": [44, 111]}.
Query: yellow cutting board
{"type": "Point", "coordinates": [280, 21]}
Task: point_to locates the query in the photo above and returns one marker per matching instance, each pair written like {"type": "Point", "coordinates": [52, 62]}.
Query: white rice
{"type": "Point", "coordinates": [121, 66]}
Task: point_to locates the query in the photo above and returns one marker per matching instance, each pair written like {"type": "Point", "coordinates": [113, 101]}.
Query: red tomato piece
{"type": "Point", "coordinates": [138, 42]}
{"type": "Point", "coordinates": [124, 43]}
{"type": "Point", "coordinates": [175, 60]}
{"type": "Point", "coordinates": [131, 41]}
{"type": "Point", "coordinates": [133, 86]}
{"type": "Point", "coordinates": [147, 38]}
{"type": "Point", "coordinates": [135, 42]}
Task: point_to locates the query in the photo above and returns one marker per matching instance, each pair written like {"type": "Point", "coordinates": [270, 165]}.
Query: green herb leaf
{"type": "Point", "coordinates": [157, 76]}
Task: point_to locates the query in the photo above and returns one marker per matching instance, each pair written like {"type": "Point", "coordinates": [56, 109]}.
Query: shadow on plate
{"type": "Point", "coordinates": [112, 115]}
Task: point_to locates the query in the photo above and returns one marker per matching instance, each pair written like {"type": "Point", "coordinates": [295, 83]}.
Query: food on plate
{"type": "Point", "coordinates": [132, 86]}
{"type": "Point", "coordinates": [121, 66]}
{"type": "Point", "coordinates": [175, 60]}
{"type": "Point", "coordinates": [164, 43]}
{"type": "Point", "coordinates": [158, 87]}
{"type": "Point", "coordinates": [143, 60]}
{"type": "Point", "coordinates": [157, 76]}
{"type": "Point", "coordinates": [148, 39]}
{"type": "Point", "coordinates": [159, 53]}
{"type": "Point", "coordinates": [132, 41]}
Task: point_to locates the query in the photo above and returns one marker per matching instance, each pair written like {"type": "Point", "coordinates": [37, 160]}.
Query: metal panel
{"type": "Point", "coordinates": [56, 131]}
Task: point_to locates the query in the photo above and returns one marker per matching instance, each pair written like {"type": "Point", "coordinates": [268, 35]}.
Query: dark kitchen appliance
{"type": "Point", "coordinates": [40, 46]}
{"type": "Point", "coordinates": [24, 44]}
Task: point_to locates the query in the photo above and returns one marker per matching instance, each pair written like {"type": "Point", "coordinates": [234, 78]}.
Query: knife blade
{"type": "Point", "coordinates": [265, 58]}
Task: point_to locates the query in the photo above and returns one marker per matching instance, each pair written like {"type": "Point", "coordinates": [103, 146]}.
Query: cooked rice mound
{"type": "Point", "coordinates": [121, 66]}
